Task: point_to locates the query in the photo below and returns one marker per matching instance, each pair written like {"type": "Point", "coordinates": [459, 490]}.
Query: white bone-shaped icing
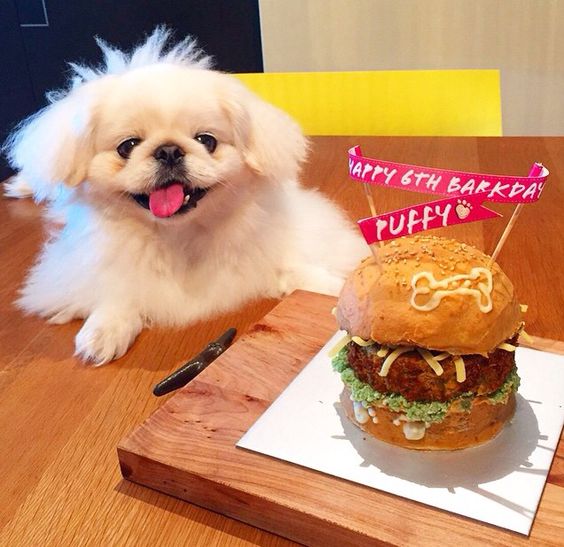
{"type": "Point", "coordinates": [478, 284]}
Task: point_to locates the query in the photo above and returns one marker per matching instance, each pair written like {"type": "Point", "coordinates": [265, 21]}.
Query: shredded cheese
{"type": "Point", "coordinates": [460, 369]}
{"type": "Point", "coordinates": [431, 361]}
{"type": "Point", "coordinates": [526, 336]}
{"type": "Point", "coordinates": [391, 358]}
{"type": "Point", "coordinates": [524, 308]}
{"type": "Point", "coordinates": [383, 351]}
{"type": "Point", "coordinates": [339, 345]}
{"type": "Point", "coordinates": [358, 340]}
{"type": "Point", "coordinates": [507, 347]}
{"type": "Point", "coordinates": [441, 356]}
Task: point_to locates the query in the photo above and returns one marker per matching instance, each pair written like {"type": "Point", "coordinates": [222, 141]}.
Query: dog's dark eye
{"type": "Point", "coordinates": [209, 141]}
{"type": "Point", "coordinates": [125, 148]}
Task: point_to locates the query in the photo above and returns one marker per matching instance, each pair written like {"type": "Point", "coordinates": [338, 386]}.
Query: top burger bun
{"type": "Point", "coordinates": [393, 308]}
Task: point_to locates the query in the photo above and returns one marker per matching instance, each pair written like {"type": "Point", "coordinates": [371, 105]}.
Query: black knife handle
{"type": "Point", "coordinates": [187, 372]}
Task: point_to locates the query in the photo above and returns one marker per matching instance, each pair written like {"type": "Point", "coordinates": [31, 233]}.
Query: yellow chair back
{"type": "Point", "coordinates": [395, 102]}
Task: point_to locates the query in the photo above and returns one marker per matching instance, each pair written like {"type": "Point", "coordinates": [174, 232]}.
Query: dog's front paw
{"type": "Point", "coordinates": [106, 335]}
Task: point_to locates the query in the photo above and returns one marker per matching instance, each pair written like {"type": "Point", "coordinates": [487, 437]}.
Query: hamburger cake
{"type": "Point", "coordinates": [429, 357]}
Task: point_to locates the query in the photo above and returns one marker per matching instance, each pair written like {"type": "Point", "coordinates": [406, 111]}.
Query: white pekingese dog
{"type": "Point", "coordinates": [179, 193]}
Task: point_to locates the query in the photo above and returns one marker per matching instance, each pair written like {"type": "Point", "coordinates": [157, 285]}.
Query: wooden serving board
{"type": "Point", "coordinates": [187, 449]}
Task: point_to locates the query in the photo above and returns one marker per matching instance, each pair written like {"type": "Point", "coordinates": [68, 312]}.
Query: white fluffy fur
{"type": "Point", "coordinates": [257, 233]}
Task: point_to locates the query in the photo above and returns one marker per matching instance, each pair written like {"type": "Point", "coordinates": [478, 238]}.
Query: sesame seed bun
{"type": "Point", "coordinates": [393, 305]}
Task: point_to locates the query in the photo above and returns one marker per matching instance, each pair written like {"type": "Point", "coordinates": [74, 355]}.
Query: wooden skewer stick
{"type": "Point", "coordinates": [535, 171]}
{"type": "Point", "coordinates": [372, 206]}
{"type": "Point", "coordinates": [505, 234]}
{"type": "Point", "coordinates": [369, 198]}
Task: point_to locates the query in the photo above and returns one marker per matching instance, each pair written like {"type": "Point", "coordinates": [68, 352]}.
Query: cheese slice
{"type": "Point", "coordinates": [507, 347]}
{"type": "Point", "coordinates": [339, 345]}
{"type": "Point", "coordinates": [391, 358]}
{"type": "Point", "coordinates": [526, 336]}
{"type": "Point", "coordinates": [431, 361]}
{"type": "Point", "coordinates": [383, 351]}
{"type": "Point", "coordinates": [460, 369]}
{"type": "Point", "coordinates": [361, 342]}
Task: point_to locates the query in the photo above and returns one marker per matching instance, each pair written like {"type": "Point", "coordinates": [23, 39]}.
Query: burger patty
{"type": "Point", "coordinates": [411, 376]}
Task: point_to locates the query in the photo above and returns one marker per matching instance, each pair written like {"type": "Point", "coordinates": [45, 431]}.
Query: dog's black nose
{"type": "Point", "coordinates": [169, 154]}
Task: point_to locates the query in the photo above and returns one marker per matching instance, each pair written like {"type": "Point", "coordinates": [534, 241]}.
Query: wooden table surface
{"type": "Point", "coordinates": [60, 421]}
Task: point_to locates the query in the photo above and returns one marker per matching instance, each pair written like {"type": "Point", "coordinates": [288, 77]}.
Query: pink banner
{"type": "Point", "coordinates": [417, 218]}
{"type": "Point", "coordinates": [428, 180]}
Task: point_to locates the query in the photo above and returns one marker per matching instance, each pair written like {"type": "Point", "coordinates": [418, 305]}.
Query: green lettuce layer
{"type": "Point", "coordinates": [414, 410]}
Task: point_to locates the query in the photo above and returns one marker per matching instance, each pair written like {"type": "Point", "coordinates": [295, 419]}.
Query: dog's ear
{"type": "Point", "coordinates": [55, 145]}
{"type": "Point", "coordinates": [272, 142]}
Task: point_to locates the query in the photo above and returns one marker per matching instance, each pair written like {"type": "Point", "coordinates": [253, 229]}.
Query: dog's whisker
{"type": "Point", "coordinates": [230, 187]}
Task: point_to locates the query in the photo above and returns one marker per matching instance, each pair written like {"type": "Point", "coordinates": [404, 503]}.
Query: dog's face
{"type": "Point", "coordinates": [159, 140]}
{"type": "Point", "coordinates": [166, 136]}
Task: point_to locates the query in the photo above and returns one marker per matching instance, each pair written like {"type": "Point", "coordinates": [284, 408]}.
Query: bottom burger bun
{"type": "Point", "coordinates": [459, 429]}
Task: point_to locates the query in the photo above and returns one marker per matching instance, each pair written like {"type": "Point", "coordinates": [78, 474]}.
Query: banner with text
{"type": "Point", "coordinates": [428, 180]}
{"type": "Point", "coordinates": [426, 216]}
{"type": "Point", "coordinates": [465, 194]}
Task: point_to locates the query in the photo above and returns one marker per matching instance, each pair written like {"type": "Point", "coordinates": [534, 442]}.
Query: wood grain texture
{"type": "Point", "coordinates": [188, 449]}
{"type": "Point", "coordinates": [60, 421]}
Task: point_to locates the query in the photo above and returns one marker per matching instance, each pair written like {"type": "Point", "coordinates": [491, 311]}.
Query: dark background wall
{"type": "Point", "coordinates": [38, 38]}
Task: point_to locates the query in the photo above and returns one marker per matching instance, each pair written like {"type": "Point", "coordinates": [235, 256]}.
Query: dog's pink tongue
{"type": "Point", "coordinates": [166, 201]}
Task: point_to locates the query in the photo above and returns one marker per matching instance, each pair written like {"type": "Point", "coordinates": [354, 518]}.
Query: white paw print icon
{"type": "Point", "coordinates": [463, 209]}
